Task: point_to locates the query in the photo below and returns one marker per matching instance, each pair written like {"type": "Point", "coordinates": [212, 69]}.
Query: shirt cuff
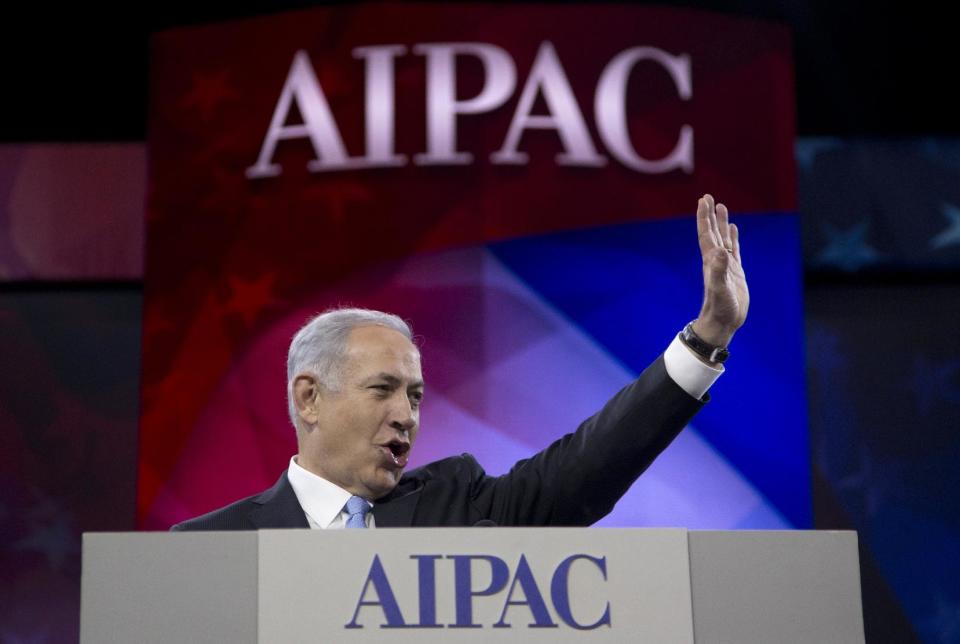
{"type": "Point", "coordinates": [692, 374]}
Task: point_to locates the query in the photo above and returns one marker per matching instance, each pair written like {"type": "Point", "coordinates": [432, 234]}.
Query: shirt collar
{"type": "Point", "coordinates": [319, 498]}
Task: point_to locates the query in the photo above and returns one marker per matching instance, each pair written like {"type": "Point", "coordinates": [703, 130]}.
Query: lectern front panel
{"type": "Point", "coordinates": [470, 585]}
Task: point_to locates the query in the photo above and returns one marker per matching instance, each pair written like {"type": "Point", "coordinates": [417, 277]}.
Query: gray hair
{"type": "Point", "coordinates": [319, 345]}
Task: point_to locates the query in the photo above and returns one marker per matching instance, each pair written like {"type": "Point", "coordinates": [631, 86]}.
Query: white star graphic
{"type": "Point", "coordinates": [848, 250]}
{"type": "Point", "coordinates": [951, 235]}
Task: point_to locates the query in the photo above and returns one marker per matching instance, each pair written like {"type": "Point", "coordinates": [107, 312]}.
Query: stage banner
{"type": "Point", "coordinates": [519, 182]}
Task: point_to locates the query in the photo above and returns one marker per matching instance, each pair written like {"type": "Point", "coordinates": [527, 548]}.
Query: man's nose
{"type": "Point", "coordinates": [404, 417]}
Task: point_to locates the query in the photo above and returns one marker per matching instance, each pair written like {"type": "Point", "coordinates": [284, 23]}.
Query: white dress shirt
{"type": "Point", "coordinates": [324, 502]}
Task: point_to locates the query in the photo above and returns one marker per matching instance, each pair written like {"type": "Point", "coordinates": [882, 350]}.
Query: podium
{"type": "Point", "coordinates": [656, 586]}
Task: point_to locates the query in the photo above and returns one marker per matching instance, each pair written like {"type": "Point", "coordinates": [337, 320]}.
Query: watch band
{"type": "Point", "coordinates": [709, 352]}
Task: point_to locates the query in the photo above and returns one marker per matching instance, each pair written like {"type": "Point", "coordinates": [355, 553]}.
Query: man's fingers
{"type": "Point", "coordinates": [723, 223]}
{"type": "Point", "coordinates": [707, 231]}
{"type": "Point", "coordinates": [713, 219]}
{"type": "Point", "coordinates": [712, 216]}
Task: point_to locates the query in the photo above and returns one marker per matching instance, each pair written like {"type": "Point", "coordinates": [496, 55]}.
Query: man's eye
{"type": "Point", "coordinates": [416, 397]}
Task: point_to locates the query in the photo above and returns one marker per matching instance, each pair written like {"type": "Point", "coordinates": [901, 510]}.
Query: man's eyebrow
{"type": "Point", "coordinates": [394, 381]}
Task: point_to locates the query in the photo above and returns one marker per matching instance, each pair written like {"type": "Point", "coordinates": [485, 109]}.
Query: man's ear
{"type": "Point", "coordinates": [306, 398]}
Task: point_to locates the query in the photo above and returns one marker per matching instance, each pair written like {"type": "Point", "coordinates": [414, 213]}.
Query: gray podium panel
{"type": "Point", "coordinates": [783, 587]}
{"type": "Point", "coordinates": [164, 588]}
{"type": "Point", "coordinates": [319, 582]}
{"type": "Point", "coordinates": [664, 586]}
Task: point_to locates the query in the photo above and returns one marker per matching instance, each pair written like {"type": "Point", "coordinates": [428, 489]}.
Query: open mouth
{"type": "Point", "coordinates": [397, 451]}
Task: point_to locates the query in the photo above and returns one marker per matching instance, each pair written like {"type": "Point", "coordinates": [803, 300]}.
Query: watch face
{"type": "Point", "coordinates": [719, 355]}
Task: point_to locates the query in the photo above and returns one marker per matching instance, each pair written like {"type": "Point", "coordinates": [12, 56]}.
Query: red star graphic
{"type": "Point", "coordinates": [207, 92]}
{"type": "Point", "coordinates": [249, 298]}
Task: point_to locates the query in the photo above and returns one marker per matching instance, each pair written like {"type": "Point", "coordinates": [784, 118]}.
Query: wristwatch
{"type": "Point", "coordinates": [717, 355]}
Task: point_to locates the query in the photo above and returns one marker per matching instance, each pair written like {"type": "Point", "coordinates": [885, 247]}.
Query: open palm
{"type": "Point", "coordinates": [726, 297]}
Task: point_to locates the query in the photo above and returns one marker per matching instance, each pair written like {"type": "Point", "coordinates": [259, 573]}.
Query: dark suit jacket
{"type": "Point", "coordinates": [573, 482]}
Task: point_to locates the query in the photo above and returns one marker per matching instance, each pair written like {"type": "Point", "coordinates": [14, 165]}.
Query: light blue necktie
{"type": "Point", "coordinates": [357, 508]}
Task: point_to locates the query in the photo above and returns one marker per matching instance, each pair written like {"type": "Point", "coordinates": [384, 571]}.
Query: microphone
{"type": "Point", "coordinates": [485, 523]}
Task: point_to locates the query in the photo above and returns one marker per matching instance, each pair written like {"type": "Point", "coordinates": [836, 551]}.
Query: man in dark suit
{"type": "Point", "coordinates": [355, 388]}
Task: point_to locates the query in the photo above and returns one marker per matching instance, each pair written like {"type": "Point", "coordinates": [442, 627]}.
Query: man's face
{"type": "Point", "coordinates": [364, 431]}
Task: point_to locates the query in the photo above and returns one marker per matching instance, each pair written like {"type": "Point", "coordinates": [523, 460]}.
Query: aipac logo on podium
{"type": "Point", "coordinates": [523, 590]}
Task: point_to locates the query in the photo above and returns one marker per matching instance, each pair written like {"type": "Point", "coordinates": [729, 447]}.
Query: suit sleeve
{"type": "Point", "coordinates": [578, 479]}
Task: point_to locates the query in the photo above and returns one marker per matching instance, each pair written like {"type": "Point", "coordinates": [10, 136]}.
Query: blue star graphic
{"type": "Point", "coordinates": [54, 539]}
{"type": "Point", "coordinates": [848, 250]}
{"type": "Point", "coordinates": [807, 149]}
{"type": "Point", "coordinates": [868, 483]}
{"type": "Point", "coordinates": [941, 152]}
{"type": "Point", "coordinates": [951, 235]}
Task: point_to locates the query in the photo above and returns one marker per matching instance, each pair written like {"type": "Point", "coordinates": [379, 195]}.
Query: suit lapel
{"type": "Point", "coordinates": [396, 509]}
{"type": "Point", "coordinates": [278, 508]}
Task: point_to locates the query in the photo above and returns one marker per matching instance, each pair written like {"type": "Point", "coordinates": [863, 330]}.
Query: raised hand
{"type": "Point", "coordinates": [725, 294]}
